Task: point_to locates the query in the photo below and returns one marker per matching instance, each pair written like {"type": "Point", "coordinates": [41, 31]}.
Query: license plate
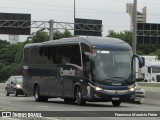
{"type": "Point", "coordinates": [115, 98]}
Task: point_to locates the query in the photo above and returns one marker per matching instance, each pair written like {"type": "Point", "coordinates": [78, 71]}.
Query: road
{"type": "Point", "coordinates": [22, 103]}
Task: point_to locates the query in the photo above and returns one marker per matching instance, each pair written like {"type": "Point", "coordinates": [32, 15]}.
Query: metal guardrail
{"type": "Point", "coordinates": [150, 86]}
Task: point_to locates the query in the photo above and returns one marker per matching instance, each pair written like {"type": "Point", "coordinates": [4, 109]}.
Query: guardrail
{"type": "Point", "coordinates": [2, 86]}
{"type": "Point", "coordinates": [150, 86]}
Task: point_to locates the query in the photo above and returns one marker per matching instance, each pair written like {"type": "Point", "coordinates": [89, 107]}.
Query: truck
{"type": "Point", "coordinates": [150, 72]}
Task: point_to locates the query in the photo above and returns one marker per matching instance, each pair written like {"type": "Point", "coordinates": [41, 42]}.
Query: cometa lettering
{"type": "Point", "coordinates": [67, 72]}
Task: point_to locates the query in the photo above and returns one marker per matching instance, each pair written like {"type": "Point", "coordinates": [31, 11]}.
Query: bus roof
{"type": "Point", "coordinates": [93, 42]}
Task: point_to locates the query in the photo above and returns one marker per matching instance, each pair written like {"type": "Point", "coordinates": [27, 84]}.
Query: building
{"type": "Point", "coordinates": [141, 17]}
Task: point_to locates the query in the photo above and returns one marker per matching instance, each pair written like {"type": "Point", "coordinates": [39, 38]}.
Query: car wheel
{"type": "Point", "coordinates": [79, 99]}
{"type": "Point", "coordinates": [6, 92]}
{"type": "Point", "coordinates": [141, 101]}
{"type": "Point", "coordinates": [26, 95]}
{"type": "Point", "coordinates": [15, 92]}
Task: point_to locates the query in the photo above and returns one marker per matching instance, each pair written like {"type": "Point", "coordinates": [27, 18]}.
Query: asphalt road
{"type": "Point", "coordinates": [22, 103]}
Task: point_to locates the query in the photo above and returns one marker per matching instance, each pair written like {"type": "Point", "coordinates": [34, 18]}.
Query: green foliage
{"type": "Point", "coordinates": [125, 36]}
{"type": "Point", "coordinates": [7, 54]}
{"type": "Point", "coordinates": [58, 35]}
{"type": "Point", "coordinates": [40, 36]}
{"type": "Point", "coordinates": [11, 55]}
{"type": "Point", "coordinates": [141, 49]}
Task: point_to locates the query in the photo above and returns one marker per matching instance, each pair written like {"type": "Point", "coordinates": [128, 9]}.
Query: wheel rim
{"type": "Point", "coordinates": [36, 94]}
{"type": "Point", "coordinates": [78, 96]}
{"type": "Point", "coordinates": [15, 93]}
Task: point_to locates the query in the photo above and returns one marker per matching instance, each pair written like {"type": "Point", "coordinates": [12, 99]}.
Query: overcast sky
{"type": "Point", "coordinates": [111, 12]}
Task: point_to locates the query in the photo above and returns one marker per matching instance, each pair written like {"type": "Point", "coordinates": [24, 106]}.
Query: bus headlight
{"type": "Point", "coordinates": [132, 89]}
{"type": "Point", "coordinates": [18, 86]}
{"type": "Point", "coordinates": [98, 88]}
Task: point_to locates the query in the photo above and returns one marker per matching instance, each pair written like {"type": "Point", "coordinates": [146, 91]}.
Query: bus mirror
{"type": "Point", "coordinates": [140, 59]}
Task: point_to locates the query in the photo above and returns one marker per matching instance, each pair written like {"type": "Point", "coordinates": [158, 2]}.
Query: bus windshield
{"type": "Point", "coordinates": [112, 66]}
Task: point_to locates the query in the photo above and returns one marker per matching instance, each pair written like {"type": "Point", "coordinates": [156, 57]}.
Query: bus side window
{"type": "Point", "coordinates": [86, 61]}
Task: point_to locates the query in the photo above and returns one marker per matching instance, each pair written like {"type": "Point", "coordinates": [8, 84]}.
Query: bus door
{"type": "Point", "coordinates": [66, 78]}
{"type": "Point", "coordinates": [68, 75]}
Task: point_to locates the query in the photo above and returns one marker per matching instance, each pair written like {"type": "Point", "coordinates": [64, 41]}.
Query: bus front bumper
{"type": "Point", "coordinates": [110, 95]}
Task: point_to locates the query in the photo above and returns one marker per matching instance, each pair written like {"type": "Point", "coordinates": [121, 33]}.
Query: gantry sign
{"type": "Point", "coordinates": [21, 24]}
{"type": "Point", "coordinates": [148, 33]}
{"type": "Point", "coordinates": [15, 24]}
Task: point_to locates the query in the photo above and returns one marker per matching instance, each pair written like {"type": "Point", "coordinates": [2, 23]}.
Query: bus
{"type": "Point", "coordinates": [80, 69]}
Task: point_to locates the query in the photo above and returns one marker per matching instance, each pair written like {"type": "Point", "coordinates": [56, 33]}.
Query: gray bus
{"type": "Point", "coordinates": [80, 69]}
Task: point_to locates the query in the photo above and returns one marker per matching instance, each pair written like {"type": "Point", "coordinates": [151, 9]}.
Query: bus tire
{"type": "Point", "coordinates": [79, 99]}
{"type": "Point", "coordinates": [116, 103]}
{"type": "Point", "coordinates": [37, 96]}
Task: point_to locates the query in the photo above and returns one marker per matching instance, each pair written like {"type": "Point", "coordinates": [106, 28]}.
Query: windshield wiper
{"type": "Point", "coordinates": [109, 79]}
{"type": "Point", "coordinates": [118, 77]}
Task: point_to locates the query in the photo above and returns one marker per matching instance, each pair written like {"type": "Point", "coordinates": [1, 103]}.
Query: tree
{"type": "Point", "coordinates": [142, 49]}
{"type": "Point", "coordinates": [11, 55]}
{"type": "Point", "coordinates": [40, 36]}
{"type": "Point", "coordinates": [125, 35]}
{"type": "Point", "coordinates": [7, 54]}
{"type": "Point", "coordinates": [58, 35]}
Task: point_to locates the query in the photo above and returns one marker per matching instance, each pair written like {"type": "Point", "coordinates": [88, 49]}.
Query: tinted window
{"type": "Point", "coordinates": [56, 54]}
{"type": "Point", "coordinates": [26, 56]}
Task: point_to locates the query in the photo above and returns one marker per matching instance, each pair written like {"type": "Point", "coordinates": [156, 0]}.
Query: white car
{"type": "Point", "coordinates": [139, 94]}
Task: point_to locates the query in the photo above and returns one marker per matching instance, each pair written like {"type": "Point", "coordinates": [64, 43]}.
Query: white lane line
{"type": "Point", "coordinates": [43, 106]}
{"type": "Point", "coordinates": [6, 102]}
{"type": "Point", "coordinates": [10, 118]}
{"type": "Point", "coordinates": [53, 118]}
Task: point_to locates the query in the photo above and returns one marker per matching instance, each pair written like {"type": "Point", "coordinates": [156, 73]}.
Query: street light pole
{"type": "Point", "coordinates": [134, 14]}
{"type": "Point", "coordinates": [51, 29]}
{"type": "Point", "coordinates": [74, 10]}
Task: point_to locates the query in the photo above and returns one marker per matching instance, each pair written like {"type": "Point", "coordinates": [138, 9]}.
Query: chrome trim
{"type": "Point", "coordinates": [116, 91]}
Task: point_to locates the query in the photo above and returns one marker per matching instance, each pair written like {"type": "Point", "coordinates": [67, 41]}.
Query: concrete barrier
{"type": "Point", "coordinates": [150, 86]}
{"type": "Point", "coordinates": [2, 87]}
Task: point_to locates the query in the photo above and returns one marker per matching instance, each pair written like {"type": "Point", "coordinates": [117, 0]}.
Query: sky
{"type": "Point", "coordinates": [111, 12]}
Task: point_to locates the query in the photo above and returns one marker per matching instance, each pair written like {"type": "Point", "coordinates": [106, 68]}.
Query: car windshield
{"type": "Point", "coordinates": [19, 79]}
{"type": "Point", "coordinates": [112, 66]}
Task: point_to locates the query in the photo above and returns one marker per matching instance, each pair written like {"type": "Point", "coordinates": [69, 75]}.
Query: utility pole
{"type": "Point", "coordinates": [51, 30]}
{"type": "Point", "coordinates": [134, 16]}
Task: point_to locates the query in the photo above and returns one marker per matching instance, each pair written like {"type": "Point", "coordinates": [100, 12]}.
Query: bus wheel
{"type": "Point", "coordinates": [36, 94]}
{"type": "Point", "coordinates": [116, 103]}
{"type": "Point", "coordinates": [37, 97]}
{"type": "Point", "coordinates": [79, 99]}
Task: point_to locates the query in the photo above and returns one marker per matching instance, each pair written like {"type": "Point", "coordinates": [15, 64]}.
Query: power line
{"type": "Point", "coordinates": [105, 12]}
{"type": "Point", "coordinates": [97, 10]}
